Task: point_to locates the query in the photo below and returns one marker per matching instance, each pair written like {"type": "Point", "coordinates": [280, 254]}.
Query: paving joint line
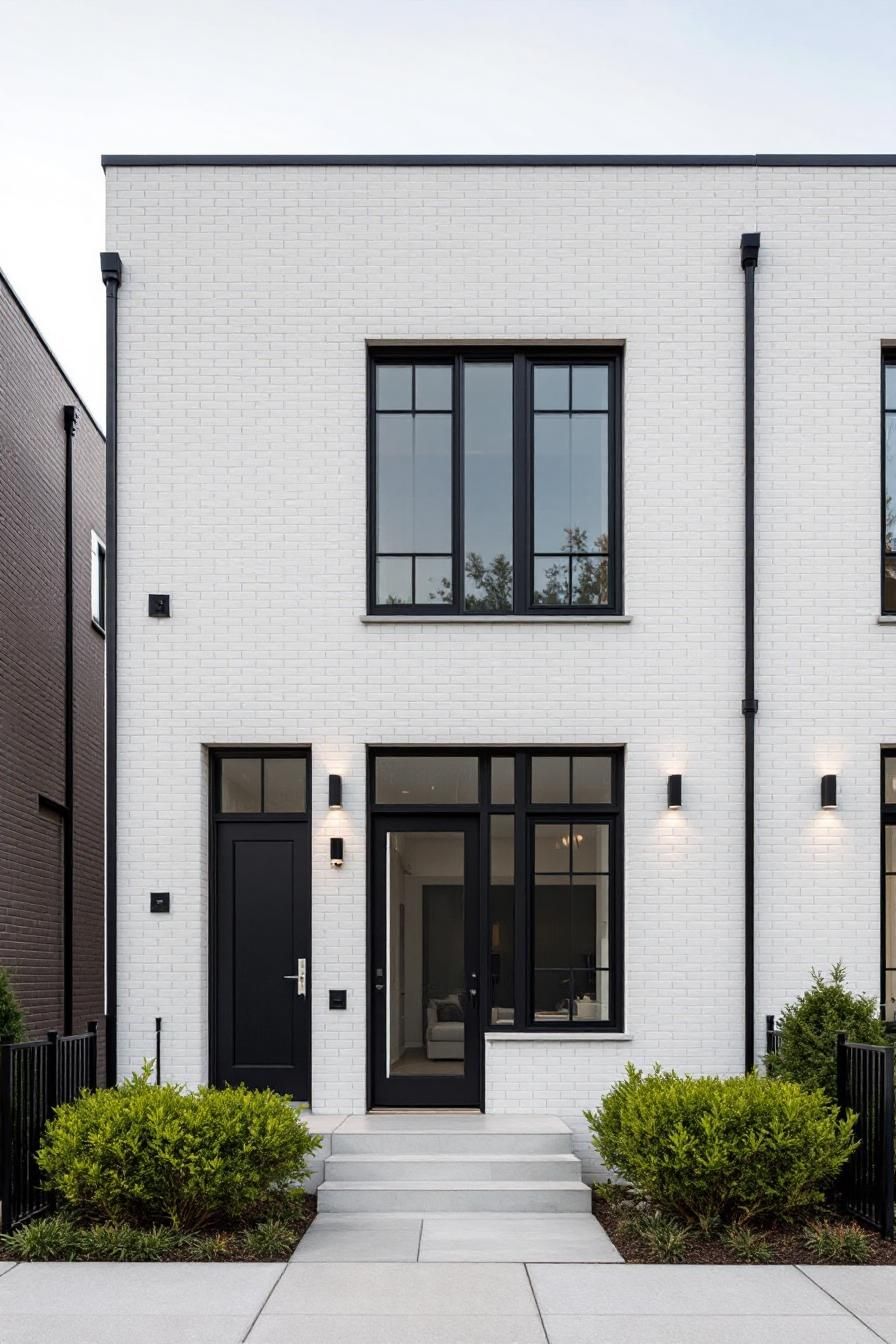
{"type": "Point", "coordinates": [419, 1240]}
{"type": "Point", "coordinates": [267, 1299]}
{"type": "Point", "coordinates": [544, 1329]}
{"type": "Point", "coordinates": [870, 1328]}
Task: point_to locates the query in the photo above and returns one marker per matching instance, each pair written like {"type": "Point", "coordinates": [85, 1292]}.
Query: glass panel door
{"type": "Point", "coordinates": [425, 974]}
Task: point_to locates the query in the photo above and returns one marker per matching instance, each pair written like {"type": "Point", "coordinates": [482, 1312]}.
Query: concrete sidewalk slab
{"type": "Point", "coordinates": [673, 1290]}
{"type": "Point", "coordinates": [420, 1329]}
{"type": "Point", "coordinates": [868, 1290]}
{"type": "Point", "coordinates": [705, 1330]}
{"type": "Point", "coordinates": [140, 1303]}
{"type": "Point", "coordinates": [495, 1238]}
{"type": "Point", "coordinates": [359, 1237]}
{"type": "Point", "coordinates": [461, 1291]}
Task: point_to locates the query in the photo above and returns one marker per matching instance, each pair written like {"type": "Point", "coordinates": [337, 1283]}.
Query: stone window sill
{"type": "Point", "coordinates": [519, 1037]}
{"type": "Point", "coordinates": [496, 620]}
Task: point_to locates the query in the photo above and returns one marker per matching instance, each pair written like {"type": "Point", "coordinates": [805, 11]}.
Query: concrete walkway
{"type": "Point", "coordinates": [413, 1302]}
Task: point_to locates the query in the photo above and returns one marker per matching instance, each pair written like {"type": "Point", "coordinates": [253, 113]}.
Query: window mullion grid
{"type": "Point", "coordinates": [522, 561]}
{"type": "Point", "coordinates": [457, 485]}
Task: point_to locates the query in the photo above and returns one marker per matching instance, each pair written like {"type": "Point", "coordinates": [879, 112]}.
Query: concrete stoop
{"type": "Point", "coordinates": [452, 1164]}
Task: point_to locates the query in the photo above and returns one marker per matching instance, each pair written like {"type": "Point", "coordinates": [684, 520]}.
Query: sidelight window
{"type": "Point", "coordinates": [549, 827]}
{"type": "Point", "coordinates": [495, 483]}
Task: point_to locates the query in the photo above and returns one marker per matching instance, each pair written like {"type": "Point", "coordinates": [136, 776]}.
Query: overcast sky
{"type": "Point", "coordinates": [80, 78]}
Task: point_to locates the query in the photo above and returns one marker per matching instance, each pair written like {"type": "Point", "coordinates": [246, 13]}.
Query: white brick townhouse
{"type": "Point", "coordinates": [466, 515]}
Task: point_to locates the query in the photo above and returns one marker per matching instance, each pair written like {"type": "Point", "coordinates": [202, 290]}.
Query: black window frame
{"type": "Point", "coordinates": [887, 818]}
{"type": "Point", "coordinates": [220, 754]}
{"type": "Point", "coordinates": [887, 557]}
{"type": "Point", "coordinates": [524, 359]}
{"type": "Point", "coordinates": [98, 583]}
{"type": "Point", "coordinates": [525, 814]}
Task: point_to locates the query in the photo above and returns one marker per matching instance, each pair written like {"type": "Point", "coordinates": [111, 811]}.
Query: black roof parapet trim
{"type": "Point", "coordinates": [499, 160]}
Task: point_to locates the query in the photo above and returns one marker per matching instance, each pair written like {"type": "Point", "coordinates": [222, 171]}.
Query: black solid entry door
{"type": "Point", "coordinates": [426, 990]}
{"type": "Point", "coordinates": [262, 970]}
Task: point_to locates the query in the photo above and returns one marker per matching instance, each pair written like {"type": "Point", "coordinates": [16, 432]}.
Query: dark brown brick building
{"type": "Point", "coordinates": [52, 658]}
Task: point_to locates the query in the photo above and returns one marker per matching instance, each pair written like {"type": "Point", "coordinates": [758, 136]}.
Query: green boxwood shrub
{"type": "Point", "coordinates": [731, 1149]}
{"type": "Point", "coordinates": [162, 1157]}
{"type": "Point", "coordinates": [11, 1023]}
{"type": "Point", "coordinates": [808, 1031]}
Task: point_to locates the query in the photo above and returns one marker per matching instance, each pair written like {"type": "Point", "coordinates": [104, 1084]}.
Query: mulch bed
{"type": "Point", "coordinates": [785, 1243]}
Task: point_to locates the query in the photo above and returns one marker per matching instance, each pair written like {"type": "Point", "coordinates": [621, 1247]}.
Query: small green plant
{"type": "Point", "coordinates": [735, 1149]}
{"type": "Point", "coordinates": [161, 1157]}
{"type": "Point", "coordinates": [54, 1238]}
{"type": "Point", "coordinates": [270, 1240]}
{"type": "Point", "coordinates": [11, 1023]}
{"type": "Point", "coordinates": [747, 1246]}
{"type": "Point", "coordinates": [838, 1243]}
{"type": "Point", "coordinates": [808, 1031]}
{"type": "Point", "coordinates": [611, 1193]}
{"type": "Point", "coordinates": [665, 1237]}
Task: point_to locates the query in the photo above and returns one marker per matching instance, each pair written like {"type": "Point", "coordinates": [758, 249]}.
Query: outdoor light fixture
{"type": "Point", "coordinates": [673, 791]}
{"type": "Point", "coordinates": [335, 791]}
{"type": "Point", "coordinates": [336, 851]}
{"type": "Point", "coordinates": [829, 790]}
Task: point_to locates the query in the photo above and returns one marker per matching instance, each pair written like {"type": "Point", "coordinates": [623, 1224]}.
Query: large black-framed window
{"type": "Point", "coordinates": [551, 872]}
{"type": "Point", "coordinates": [888, 483]}
{"type": "Point", "coordinates": [888, 883]}
{"type": "Point", "coordinates": [495, 483]}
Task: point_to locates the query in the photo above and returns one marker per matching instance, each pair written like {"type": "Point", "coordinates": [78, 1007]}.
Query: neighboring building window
{"type": "Point", "coordinates": [98, 582]}
{"type": "Point", "coordinates": [888, 883]}
{"type": "Point", "coordinates": [495, 483]}
{"type": "Point", "coordinates": [888, 511]}
{"type": "Point", "coordinates": [550, 845]}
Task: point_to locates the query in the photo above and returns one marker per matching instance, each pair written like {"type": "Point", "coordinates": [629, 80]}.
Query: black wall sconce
{"type": "Point", "coordinates": [336, 851]}
{"type": "Point", "coordinates": [829, 790]}
{"type": "Point", "coordinates": [335, 791]}
{"type": "Point", "coordinates": [159, 604]}
{"type": "Point", "coordinates": [673, 791]}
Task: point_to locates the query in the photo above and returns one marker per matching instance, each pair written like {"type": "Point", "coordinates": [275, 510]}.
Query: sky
{"type": "Point", "coordinates": [79, 78]}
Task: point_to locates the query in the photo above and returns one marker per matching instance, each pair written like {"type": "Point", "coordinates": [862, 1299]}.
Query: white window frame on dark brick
{"type": "Point", "coordinates": [594, 570]}
{"type": "Point", "coordinates": [98, 582]}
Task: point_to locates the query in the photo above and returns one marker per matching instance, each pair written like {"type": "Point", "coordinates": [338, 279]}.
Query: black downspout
{"type": "Point", "coordinates": [749, 259]}
{"type": "Point", "coordinates": [110, 264]}
{"type": "Point", "coordinates": [70, 420]}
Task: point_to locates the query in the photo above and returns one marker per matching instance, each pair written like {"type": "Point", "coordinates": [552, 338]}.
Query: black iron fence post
{"type": "Point", "coordinates": [91, 1055]}
{"type": "Point", "coordinates": [842, 1080]}
{"type": "Point", "coordinates": [6, 1135]}
{"type": "Point", "coordinates": [885, 1136]}
{"type": "Point", "coordinates": [158, 1052]}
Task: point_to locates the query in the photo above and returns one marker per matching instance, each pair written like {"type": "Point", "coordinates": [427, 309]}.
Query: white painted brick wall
{"type": "Point", "coordinates": [247, 299]}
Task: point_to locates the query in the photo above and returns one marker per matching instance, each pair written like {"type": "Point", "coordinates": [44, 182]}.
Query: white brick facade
{"type": "Point", "coordinates": [248, 297]}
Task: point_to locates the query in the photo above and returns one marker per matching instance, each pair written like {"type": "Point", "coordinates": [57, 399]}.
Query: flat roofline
{"type": "Point", "coordinates": [5, 282]}
{"type": "Point", "coordinates": [499, 160]}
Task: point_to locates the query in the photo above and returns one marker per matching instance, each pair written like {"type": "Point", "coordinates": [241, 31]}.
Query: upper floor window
{"type": "Point", "coordinates": [889, 484]}
{"type": "Point", "coordinates": [494, 483]}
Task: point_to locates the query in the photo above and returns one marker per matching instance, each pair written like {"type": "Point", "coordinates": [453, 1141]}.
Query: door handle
{"type": "Point", "coordinates": [300, 978]}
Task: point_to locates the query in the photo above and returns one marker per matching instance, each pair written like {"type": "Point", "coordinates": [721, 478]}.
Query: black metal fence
{"type": "Point", "coordinates": [35, 1078]}
{"type": "Point", "coordinates": [865, 1085]}
{"type": "Point", "coordinates": [772, 1036]}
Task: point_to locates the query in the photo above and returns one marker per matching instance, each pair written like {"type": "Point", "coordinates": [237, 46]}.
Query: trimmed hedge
{"type": "Point", "coordinates": [729, 1149]}
{"type": "Point", "coordinates": [162, 1157]}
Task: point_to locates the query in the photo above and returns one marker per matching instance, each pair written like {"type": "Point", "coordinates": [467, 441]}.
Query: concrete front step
{"type": "Point", "coordinates": [406, 1135]}
{"type": "Point", "coordinates": [457, 1196]}
{"type": "Point", "coordinates": [442, 1167]}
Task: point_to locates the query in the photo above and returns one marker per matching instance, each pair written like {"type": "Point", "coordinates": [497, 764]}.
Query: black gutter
{"type": "Point", "coordinates": [499, 160]}
{"type": "Point", "coordinates": [749, 259]}
{"type": "Point", "coordinates": [70, 420]}
{"type": "Point", "coordinates": [110, 264]}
